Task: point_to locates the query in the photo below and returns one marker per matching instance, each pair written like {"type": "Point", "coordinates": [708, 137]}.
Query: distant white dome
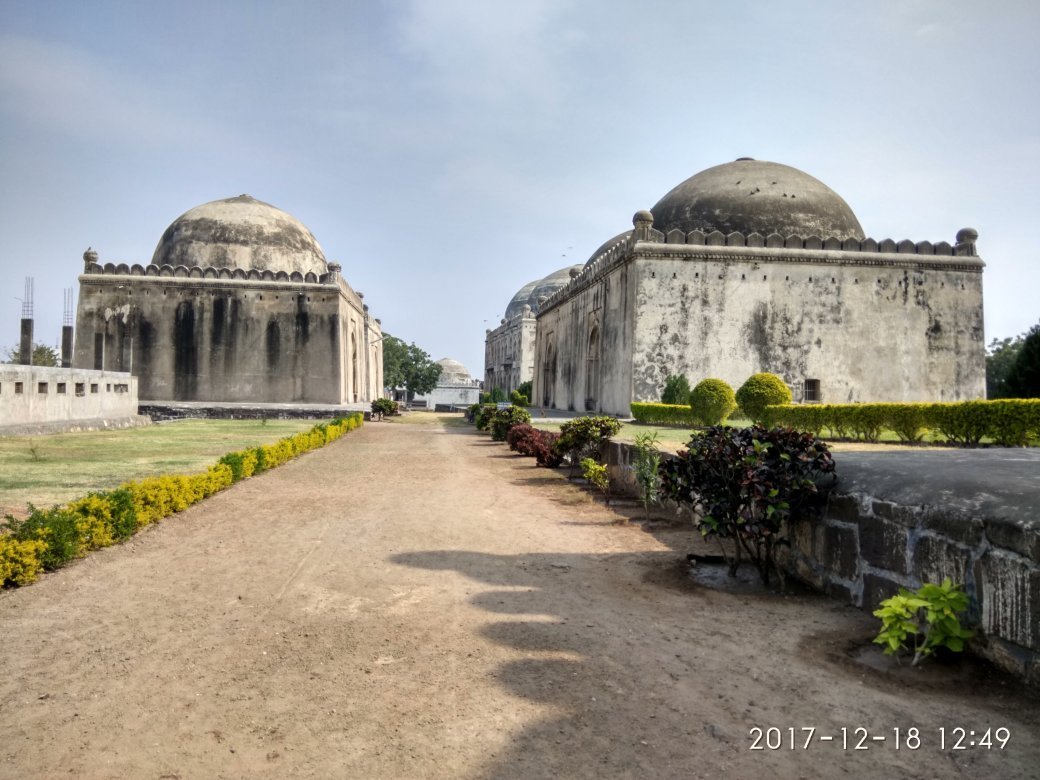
{"type": "Point", "coordinates": [453, 373]}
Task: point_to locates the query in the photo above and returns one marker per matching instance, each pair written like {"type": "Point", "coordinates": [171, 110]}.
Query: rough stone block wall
{"type": "Point", "coordinates": [903, 525]}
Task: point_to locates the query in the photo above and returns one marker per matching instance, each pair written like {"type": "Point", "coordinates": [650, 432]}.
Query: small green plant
{"type": "Point", "coordinates": [676, 390]}
{"type": "Point", "coordinates": [923, 621]}
{"type": "Point", "coordinates": [645, 465]}
{"type": "Point", "coordinates": [518, 399]}
{"type": "Point", "coordinates": [596, 474]}
{"type": "Point", "coordinates": [34, 452]}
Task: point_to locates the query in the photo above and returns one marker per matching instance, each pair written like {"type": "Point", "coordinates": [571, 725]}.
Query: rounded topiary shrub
{"type": "Point", "coordinates": [760, 391]}
{"type": "Point", "coordinates": [712, 401]}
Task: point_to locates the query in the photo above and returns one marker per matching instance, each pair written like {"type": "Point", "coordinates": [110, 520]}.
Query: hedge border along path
{"type": "Point", "coordinates": [1008, 422]}
{"type": "Point", "coordinates": [49, 539]}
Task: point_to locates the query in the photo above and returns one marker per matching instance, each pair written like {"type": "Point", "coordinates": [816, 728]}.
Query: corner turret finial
{"type": "Point", "coordinates": [643, 221]}
{"type": "Point", "coordinates": [89, 258]}
{"type": "Point", "coordinates": [965, 246]}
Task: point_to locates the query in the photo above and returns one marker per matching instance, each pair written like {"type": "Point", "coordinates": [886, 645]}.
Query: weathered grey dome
{"type": "Point", "coordinates": [529, 294]}
{"type": "Point", "coordinates": [608, 244]}
{"type": "Point", "coordinates": [753, 196]}
{"type": "Point", "coordinates": [241, 233]}
{"type": "Point", "coordinates": [453, 373]}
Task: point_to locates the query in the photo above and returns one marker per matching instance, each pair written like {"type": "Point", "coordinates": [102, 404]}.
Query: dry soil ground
{"type": "Point", "coordinates": [414, 601]}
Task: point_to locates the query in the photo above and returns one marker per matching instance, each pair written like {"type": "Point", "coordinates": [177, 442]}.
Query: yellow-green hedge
{"type": "Point", "coordinates": [663, 414]}
{"type": "Point", "coordinates": [50, 538]}
{"type": "Point", "coordinates": [1010, 422]}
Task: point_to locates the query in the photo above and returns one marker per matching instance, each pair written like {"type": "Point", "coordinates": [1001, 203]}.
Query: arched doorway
{"type": "Point", "coordinates": [549, 377]}
{"type": "Point", "coordinates": [592, 372]}
{"type": "Point", "coordinates": [355, 378]}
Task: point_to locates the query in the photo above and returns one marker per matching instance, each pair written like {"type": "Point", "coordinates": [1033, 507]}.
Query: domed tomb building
{"type": "Point", "coordinates": [509, 348]}
{"type": "Point", "coordinates": [455, 388]}
{"type": "Point", "coordinates": [238, 304]}
{"type": "Point", "coordinates": [755, 266]}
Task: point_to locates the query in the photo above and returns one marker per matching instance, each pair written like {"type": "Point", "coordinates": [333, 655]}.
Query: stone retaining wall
{"type": "Point", "coordinates": [878, 535]}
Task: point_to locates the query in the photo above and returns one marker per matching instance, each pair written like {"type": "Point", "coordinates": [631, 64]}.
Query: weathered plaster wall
{"type": "Point", "coordinates": [584, 346]}
{"type": "Point", "coordinates": [195, 338]}
{"type": "Point", "coordinates": [867, 327]}
{"type": "Point", "coordinates": [41, 394]}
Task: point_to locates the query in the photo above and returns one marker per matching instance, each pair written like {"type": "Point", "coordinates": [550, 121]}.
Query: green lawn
{"type": "Point", "coordinates": [53, 469]}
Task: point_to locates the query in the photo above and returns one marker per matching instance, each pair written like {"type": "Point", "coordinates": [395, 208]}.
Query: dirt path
{"type": "Point", "coordinates": [416, 602]}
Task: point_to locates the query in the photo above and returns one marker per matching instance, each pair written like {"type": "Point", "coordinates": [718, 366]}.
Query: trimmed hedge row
{"type": "Point", "coordinates": [663, 414]}
{"type": "Point", "coordinates": [1010, 422]}
{"type": "Point", "coordinates": [50, 538]}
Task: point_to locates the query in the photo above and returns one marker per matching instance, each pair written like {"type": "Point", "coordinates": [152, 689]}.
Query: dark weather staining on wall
{"type": "Point", "coordinates": [242, 332]}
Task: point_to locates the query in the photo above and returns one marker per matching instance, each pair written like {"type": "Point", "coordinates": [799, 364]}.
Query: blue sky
{"type": "Point", "coordinates": [446, 152]}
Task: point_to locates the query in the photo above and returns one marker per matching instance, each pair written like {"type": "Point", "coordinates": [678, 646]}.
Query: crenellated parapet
{"type": "Point", "coordinates": [867, 251]}
{"type": "Point", "coordinates": [209, 272]}
{"type": "Point", "coordinates": [963, 248]}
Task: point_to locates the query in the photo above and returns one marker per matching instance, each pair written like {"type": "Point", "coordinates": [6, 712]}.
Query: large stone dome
{"type": "Point", "coordinates": [241, 233]}
{"type": "Point", "coordinates": [753, 196]}
{"type": "Point", "coordinates": [529, 294]}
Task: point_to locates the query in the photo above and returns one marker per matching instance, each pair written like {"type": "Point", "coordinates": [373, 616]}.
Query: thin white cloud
{"type": "Point", "coordinates": [65, 90]}
{"type": "Point", "coordinates": [489, 52]}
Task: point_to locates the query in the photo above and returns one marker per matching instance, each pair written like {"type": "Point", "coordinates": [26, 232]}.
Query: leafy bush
{"type": "Point", "coordinates": [534, 442]}
{"type": "Point", "coordinates": [518, 399]}
{"type": "Point", "coordinates": [545, 450]}
{"type": "Point", "coordinates": [384, 407]}
{"type": "Point", "coordinates": [56, 528]}
{"type": "Point", "coordinates": [927, 619]}
{"type": "Point", "coordinates": [596, 474]}
{"type": "Point", "coordinates": [504, 419]}
{"type": "Point", "coordinates": [471, 412]}
{"type": "Point", "coordinates": [745, 483]}
{"type": "Point", "coordinates": [760, 391]}
{"type": "Point", "coordinates": [583, 436]}
{"type": "Point", "coordinates": [676, 390]}
{"type": "Point", "coordinates": [21, 560]}
{"type": "Point", "coordinates": [712, 401]}
{"type": "Point", "coordinates": [484, 415]}
{"type": "Point", "coordinates": [663, 414]}
{"type": "Point", "coordinates": [526, 389]}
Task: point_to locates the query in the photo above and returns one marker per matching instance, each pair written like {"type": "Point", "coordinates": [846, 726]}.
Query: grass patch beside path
{"type": "Point", "coordinates": [53, 469]}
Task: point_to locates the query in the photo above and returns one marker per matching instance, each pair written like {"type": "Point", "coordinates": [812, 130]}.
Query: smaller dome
{"type": "Point", "coordinates": [453, 373]}
{"type": "Point", "coordinates": [532, 292]}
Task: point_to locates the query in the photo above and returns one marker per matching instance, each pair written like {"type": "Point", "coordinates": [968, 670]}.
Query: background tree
{"type": "Point", "coordinates": [1023, 377]}
{"type": "Point", "coordinates": [42, 355]}
{"type": "Point", "coordinates": [408, 366]}
{"type": "Point", "coordinates": [676, 390]}
{"type": "Point", "coordinates": [395, 353]}
{"type": "Point", "coordinates": [1000, 356]}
